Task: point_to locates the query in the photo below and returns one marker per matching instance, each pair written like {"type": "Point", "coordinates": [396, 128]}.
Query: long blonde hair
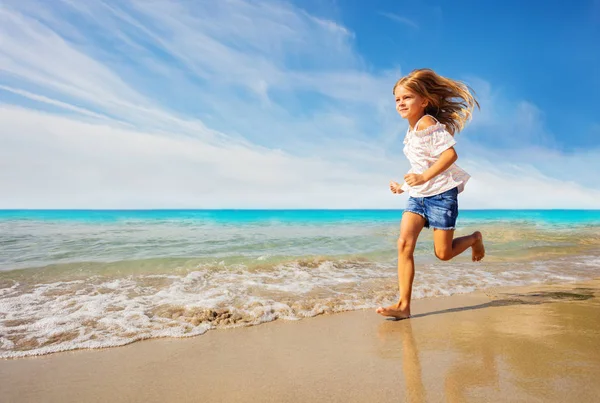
{"type": "Point", "coordinates": [449, 101]}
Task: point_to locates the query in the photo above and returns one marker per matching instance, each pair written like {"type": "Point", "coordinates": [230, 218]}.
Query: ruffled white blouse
{"type": "Point", "coordinates": [423, 148]}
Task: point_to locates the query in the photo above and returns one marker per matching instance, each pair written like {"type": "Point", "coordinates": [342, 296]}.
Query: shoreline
{"type": "Point", "coordinates": [528, 343]}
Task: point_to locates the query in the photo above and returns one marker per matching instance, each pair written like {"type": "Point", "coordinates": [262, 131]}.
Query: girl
{"type": "Point", "coordinates": [436, 108]}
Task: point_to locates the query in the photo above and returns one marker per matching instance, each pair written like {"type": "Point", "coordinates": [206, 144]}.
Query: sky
{"type": "Point", "coordinates": [123, 104]}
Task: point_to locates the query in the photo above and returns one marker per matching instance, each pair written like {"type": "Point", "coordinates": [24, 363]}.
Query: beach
{"type": "Point", "coordinates": [537, 343]}
{"type": "Point", "coordinates": [279, 305]}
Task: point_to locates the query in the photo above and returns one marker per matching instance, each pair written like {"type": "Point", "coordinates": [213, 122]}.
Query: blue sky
{"type": "Point", "coordinates": [540, 51]}
{"type": "Point", "coordinates": [272, 104]}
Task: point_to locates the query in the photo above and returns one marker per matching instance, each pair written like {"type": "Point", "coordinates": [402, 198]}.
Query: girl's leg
{"type": "Point", "coordinates": [410, 228]}
{"type": "Point", "coordinates": [446, 247]}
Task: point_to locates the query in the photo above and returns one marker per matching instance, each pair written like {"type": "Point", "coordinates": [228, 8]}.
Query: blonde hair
{"type": "Point", "coordinates": [451, 102]}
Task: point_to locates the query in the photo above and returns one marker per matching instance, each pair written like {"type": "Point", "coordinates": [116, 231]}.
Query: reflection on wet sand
{"type": "Point", "coordinates": [542, 337]}
{"type": "Point", "coordinates": [481, 371]}
{"type": "Point", "coordinates": [411, 365]}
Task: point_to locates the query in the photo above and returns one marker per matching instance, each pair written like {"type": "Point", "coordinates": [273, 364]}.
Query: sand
{"type": "Point", "coordinates": [527, 344]}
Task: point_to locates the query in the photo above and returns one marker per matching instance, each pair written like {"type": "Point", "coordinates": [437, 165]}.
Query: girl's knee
{"type": "Point", "coordinates": [405, 246]}
{"type": "Point", "coordinates": [444, 254]}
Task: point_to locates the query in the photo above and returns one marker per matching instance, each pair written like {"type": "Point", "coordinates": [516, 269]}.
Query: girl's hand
{"type": "Point", "coordinates": [395, 187]}
{"type": "Point", "coordinates": [414, 179]}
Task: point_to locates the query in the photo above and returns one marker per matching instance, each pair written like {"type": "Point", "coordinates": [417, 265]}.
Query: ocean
{"type": "Point", "coordinates": [73, 279]}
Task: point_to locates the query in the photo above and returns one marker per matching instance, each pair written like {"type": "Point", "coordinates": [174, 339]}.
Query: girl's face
{"type": "Point", "coordinates": [408, 103]}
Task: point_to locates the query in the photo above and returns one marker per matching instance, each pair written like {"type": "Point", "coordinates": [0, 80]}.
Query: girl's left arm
{"type": "Point", "coordinates": [447, 158]}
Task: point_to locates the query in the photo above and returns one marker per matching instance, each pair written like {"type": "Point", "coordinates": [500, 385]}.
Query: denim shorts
{"type": "Point", "coordinates": [440, 211]}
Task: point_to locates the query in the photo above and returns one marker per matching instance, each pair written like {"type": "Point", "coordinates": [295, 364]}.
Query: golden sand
{"type": "Point", "coordinates": [530, 344]}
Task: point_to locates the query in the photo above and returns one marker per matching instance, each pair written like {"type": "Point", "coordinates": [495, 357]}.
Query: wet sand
{"type": "Point", "coordinates": [528, 344]}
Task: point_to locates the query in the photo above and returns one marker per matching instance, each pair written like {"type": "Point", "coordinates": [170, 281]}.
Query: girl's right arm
{"type": "Point", "coordinates": [446, 159]}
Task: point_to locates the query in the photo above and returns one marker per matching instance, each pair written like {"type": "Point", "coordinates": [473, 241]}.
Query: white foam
{"type": "Point", "coordinates": [5, 292]}
{"type": "Point", "coordinates": [115, 311]}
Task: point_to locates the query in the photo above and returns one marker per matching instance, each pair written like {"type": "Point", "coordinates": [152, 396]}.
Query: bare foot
{"type": "Point", "coordinates": [478, 250]}
{"type": "Point", "coordinates": [395, 311]}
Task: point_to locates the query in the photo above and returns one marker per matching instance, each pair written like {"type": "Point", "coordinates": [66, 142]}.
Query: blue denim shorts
{"type": "Point", "coordinates": [440, 211]}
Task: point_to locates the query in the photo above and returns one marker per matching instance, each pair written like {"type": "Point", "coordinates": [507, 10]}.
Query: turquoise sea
{"type": "Point", "coordinates": [90, 278]}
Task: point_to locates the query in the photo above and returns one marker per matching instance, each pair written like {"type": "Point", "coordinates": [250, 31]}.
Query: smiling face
{"type": "Point", "coordinates": [409, 104]}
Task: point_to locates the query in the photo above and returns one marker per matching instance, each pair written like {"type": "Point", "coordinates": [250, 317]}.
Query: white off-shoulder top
{"type": "Point", "coordinates": [423, 148]}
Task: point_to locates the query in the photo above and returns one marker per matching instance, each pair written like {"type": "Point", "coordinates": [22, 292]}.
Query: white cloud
{"type": "Point", "coordinates": [403, 20]}
{"type": "Point", "coordinates": [43, 99]}
{"type": "Point", "coordinates": [507, 186]}
{"type": "Point", "coordinates": [59, 162]}
{"type": "Point", "coordinates": [231, 105]}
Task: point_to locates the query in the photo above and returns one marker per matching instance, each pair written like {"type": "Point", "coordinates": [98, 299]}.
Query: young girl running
{"type": "Point", "coordinates": [436, 108]}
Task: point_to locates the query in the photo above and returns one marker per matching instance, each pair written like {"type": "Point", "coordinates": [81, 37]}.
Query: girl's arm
{"type": "Point", "coordinates": [447, 158]}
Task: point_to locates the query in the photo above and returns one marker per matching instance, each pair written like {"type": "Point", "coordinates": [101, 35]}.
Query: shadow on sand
{"type": "Point", "coordinates": [531, 298]}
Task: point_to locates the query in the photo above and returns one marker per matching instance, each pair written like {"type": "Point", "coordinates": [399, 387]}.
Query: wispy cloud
{"type": "Point", "coordinates": [231, 104]}
{"type": "Point", "coordinates": [398, 18]}
{"type": "Point", "coordinates": [49, 101]}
